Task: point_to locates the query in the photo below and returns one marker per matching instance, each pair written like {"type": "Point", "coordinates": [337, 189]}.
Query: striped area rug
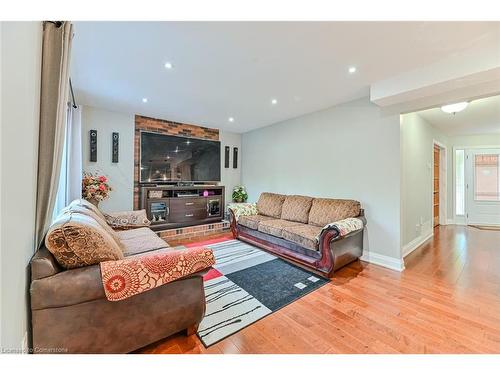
{"type": "Point", "coordinates": [247, 284]}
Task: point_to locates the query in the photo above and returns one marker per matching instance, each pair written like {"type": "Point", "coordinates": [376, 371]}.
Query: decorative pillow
{"type": "Point", "coordinates": [324, 211]}
{"type": "Point", "coordinates": [128, 219]}
{"type": "Point", "coordinates": [296, 208]}
{"type": "Point", "coordinates": [85, 203]}
{"type": "Point", "coordinates": [78, 240]}
{"type": "Point", "coordinates": [76, 207]}
{"type": "Point", "coordinates": [270, 204]}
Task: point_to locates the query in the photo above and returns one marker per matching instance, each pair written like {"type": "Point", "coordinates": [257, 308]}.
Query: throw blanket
{"type": "Point", "coordinates": [344, 227]}
{"type": "Point", "coordinates": [242, 209]}
{"type": "Point", "coordinates": [137, 274]}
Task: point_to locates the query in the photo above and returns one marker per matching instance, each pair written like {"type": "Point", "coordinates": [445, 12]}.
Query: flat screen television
{"type": "Point", "coordinates": [167, 158]}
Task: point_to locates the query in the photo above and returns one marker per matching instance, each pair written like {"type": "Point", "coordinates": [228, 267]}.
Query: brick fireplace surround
{"type": "Point", "coordinates": [143, 123]}
{"type": "Point", "coordinates": [164, 127]}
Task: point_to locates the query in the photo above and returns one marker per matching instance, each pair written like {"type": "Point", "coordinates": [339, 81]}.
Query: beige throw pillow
{"type": "Point", "coordinates": [128, 219]}
{"type": "Point", "coordinates": [76, 207]}
{"type": "Point", "coordinates": [78, 240]}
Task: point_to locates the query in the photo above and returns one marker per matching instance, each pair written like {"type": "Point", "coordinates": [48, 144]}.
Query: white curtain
{"type": "Point", "coordinates": [70, 181]}
{"type": "Point", "coordinates": [74, 157]}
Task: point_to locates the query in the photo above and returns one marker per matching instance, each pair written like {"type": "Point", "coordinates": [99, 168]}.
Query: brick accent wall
{"type": "Point", "coordinates": [171, 235]}
{"type": "Point", "coordinates": [164, 127]}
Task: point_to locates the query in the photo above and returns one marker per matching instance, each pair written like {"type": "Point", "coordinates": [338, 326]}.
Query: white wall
{"type": "Point", "coordinates": [20, 73]}
{"type": "Point", "coordinates": [417, 162]}
{"type": "Point", "coordinates": [347, 151]}
{"type": "Point", "coordinates": [230, 177]}
{"type": "Point", "coordinates": [476, 140]}
{"type": "Point", "coordinates": [121, 175]}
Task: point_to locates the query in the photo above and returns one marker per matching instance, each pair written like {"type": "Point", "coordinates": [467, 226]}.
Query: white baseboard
{"type": "Point", "coordinates": [383, 260]}
{"type": "Point", "coordinates": [450, 222]}
{"type": "Point", "coordinates": [411, 246]}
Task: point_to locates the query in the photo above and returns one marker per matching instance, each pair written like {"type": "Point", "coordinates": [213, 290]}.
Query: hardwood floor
{"type": "Point", "coordinates": [446, 301]}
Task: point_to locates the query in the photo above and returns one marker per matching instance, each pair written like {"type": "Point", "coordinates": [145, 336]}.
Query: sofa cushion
{"type": "Point", "coordinates": [304, 235]}
{"type": "Point", "coordinates": [76, 207]}
{"type": "Point", "coordinates": [141, 240]}
{"type": "Point", "coordinates": [275, 227]}
{"type": "Point", "coordinates": [252, 221]}
{"type": "Point", "coordinates": [85, 203]}
{"type": "Point", "coordinates": [324, 211]}
{"type": "Point", "coordinates": [270, 204]}
{"type": "Point", "coordinates": [296, 208]}
{"type": "Point", "coordinates": [78, 240]}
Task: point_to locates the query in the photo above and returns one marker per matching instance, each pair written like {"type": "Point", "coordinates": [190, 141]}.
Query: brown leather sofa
{"type": "Point", "coordinates": [70, 313]}
{"type": "Point", "coordinates": [297, 228]}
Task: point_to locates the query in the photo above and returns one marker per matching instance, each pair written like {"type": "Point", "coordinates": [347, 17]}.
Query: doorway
{"type": "Point", "coordinates": [438, 184]}
{"type": "Point", "coordinates": [482, 167]}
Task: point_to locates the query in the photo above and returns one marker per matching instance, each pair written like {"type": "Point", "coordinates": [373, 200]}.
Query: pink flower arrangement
{"type": "Point", "coordinates": [95, 187]}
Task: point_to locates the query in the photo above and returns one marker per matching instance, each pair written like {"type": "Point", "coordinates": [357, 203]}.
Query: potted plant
{"type": "Point", "coordinates": [95, 188]}
{"type": "Point", "coordinates": [239, 194]}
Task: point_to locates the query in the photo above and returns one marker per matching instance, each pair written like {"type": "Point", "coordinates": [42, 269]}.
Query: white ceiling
{"type": "Point", "coordinates": [234, 69]}
{"type": "Point", "coordinates": [481, 116]}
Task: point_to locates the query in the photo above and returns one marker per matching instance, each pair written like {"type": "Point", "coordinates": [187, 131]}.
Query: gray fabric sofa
{"type": "Point", "coordinates": [296, 228]}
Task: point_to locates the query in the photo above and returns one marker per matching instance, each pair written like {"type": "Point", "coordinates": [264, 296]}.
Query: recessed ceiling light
{"type": "Point", "coordinates": [230, 119]}
{"type": "Point", "coordinates": [144, 100]}
{"type": "Point", "coordinates": [168, 65]}
{"type": "Point", "coordinates": [274, 101]}
{"type": "Point", "coordinates": [352, 69]}
{"type": "Point", "coordinates": [454, 108]}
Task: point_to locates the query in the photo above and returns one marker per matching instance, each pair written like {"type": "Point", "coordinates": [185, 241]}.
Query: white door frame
{"type": "Point", "coordinates": [470, 180]}
{"type": "Point", "coordinates": [462, 220]}
{"type": "Point", "coordinates": [443, 178]}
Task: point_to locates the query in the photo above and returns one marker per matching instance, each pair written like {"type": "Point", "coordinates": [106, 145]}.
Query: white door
{"type": "Point", "coordinates": [482, 171]}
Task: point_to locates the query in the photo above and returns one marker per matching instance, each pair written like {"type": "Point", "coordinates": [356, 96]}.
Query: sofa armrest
{"type": "Point", "coordinates": [127, 277]}
{"type": "Point", "coordinates": [67, 288]}
{"type": "Point", "coordinates": [75, 286]}
{"type": "Point", "coordinates": [242, 209]}
{"type": "Point", "coordinates": [124, 220]}
{"type": "Point", "coordinates": [43, 264]}
{"type": "Point", "coordinates": [343, 228]}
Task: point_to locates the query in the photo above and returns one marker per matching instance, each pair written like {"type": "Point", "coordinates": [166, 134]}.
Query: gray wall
{"type": "Point", "coordinates": [347, 151]}
{"type": "Point", "coordinates": [417, 162]}
{"type": "Point", "coordinates": [20, 80]}
{"type": "Point", "coordinates": [121, 175]}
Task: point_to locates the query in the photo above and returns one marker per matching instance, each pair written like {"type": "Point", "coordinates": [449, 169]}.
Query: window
{"type": "Point", "coordinates": [486, 178]}
{"type": "Point", "coordinates": [459, 182]}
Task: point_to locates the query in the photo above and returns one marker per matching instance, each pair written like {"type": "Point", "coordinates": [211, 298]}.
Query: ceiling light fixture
{"type": "Point", "coordinates": [352, 69]}
{"type": "Point", "coordinates": [168, 65]}
{"type": "Point", "coordinates": [454, 108]}
{"type": "Point", "coordinates": [274, 101]}
{"type": "Point", "coordinates": [144, 100]}
{"type": "Point", "coordinates": [230, 119]}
